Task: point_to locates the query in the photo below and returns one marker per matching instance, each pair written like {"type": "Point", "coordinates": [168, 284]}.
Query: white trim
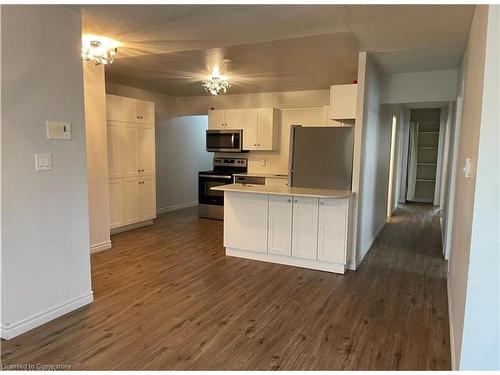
{"type": "Point", "coordinates": [176, 207]}
{"type": "Point", "coordinates": [289, 261]}
{"type": "Point", "coordinates": [9, 331]}
{"type": "Point", "coordinates": [366, 248]}
{"type": "Point", "coordinates": [454, 366]}
{"type": "Point", "coordinates": [100, 246]}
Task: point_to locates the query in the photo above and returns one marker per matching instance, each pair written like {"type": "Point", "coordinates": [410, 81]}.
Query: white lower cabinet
{"type": "Point", "coordinates": [245, 221]}
{"type": "Point", "coordinates": [131, 206]}
{"type": "Point", "coordinates": [332, 231]}
{"type": "Point", "coordinates": [115, 202]}
{"type": "Point", "coordinates": [305, 227]}
{"type": "Point", "coordinates": [147, 198]}
{"type": "Point", "coordinates": [280, 225]}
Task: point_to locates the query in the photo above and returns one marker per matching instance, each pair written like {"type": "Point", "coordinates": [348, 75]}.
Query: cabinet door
{"type": "Point", "coordinates": [249, 119]}
{"type": "Point", "coordinates": [232, 119]}
{"type": "Point", "coordinates": [115, 202]}
{"type": "Point", "coordinates": [305, 227]}
{"type": "Point", "coordinates": [245, 221]}
{"type": "Point", "coordinates": [128, 110]}
{"type": "Point", "coordinates": [131, 205]}
{"type": "Point", "coordinates": [343, 99]}
{"type": "Point", "coordinates": [144, 112]}
{"type": "Point", "coordinates": [115, 149]}
{"type": "Point", "coordinates": [215, 119]}
{"type": "Point", "coordinates": [147, 198]}
{"type": "Point", "coordinates": [113, 108]}
{"type": "Point", "coordinates": [332, 231]}
{"type": "Point", "coordinates": [265, 129]}
{"type": "Point", "coordinates": [130, 136]}
{"type": "Point", "coordinates": [280, 225]}
{"type": "Point", "coordinates": [147, 149]}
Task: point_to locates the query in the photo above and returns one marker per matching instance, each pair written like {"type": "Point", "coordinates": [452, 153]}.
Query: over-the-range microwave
{"type": "Point", "coordinates": [227, 140]}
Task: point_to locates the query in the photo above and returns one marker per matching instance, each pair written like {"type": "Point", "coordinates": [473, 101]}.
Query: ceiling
{"type": "Point", "coordinates": [171, 48]}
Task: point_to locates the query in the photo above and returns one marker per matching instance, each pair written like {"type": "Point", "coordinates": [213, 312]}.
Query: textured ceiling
{"type": "Point", "coordinates": [170, 48]}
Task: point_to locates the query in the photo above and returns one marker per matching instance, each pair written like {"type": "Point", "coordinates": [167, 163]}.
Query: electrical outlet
{"type": "Point", "coordinates": [43, 162]}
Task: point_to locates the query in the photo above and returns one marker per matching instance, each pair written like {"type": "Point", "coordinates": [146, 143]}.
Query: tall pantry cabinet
{"type": "Point", "coordinates": [131, 160]}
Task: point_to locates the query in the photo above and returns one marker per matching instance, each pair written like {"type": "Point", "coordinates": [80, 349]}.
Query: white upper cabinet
{"type": "Point", "coordinates": [232, 118]}
{"type": "Point", "coordinates": [216, 119]}
{"type": "Point", "coordinates": [250, 118]}
{"type": "Point", "coordinates": [332, 231]}
{"type": "Point", "coordinates": [280, 225]}
{"type": "Point", "coordinates": [343, 102]}
{"type": "Point", "coordinates": [268, 129]}
{"type": "Point", "coordinates": [123, 109]}
{"type": "Point", "coordinates": [305, 227]}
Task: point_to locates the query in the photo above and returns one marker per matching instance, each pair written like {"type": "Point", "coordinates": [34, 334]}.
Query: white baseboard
{"type": "Point", "coordinates": [9, 331]}
{"type": "Point", "coordinates": [287, 260]}
{"type": "Point", "coordinates": [100, 246]}
{"type": "Point", "coordinates": [367, 246]}
{"type": "Point", "coordinates": [176, 207]}
{"type": "Point", "coordinates": [454, 366]}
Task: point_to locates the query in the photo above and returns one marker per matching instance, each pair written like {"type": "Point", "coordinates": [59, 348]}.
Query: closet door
{"type": "Point", "coordinates": [115, 149]}
{"type": "Point", "coordinates": [147, 197]}
{"type": "Point", "coordinates": [130, 134]}
{"type": "Point", "coordinates": [147, 149]}
{"type": "Point", "coordinates": [115, 202]}
{"type": "Point", "coordinates": [144, 113]}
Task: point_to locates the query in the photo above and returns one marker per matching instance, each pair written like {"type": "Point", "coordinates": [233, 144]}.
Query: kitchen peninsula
{"type": "Point", "coordinates": [304, 227]}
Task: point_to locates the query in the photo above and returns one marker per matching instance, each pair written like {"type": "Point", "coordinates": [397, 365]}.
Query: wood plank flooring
{"type": "Point", "coordinates": [166, 297]}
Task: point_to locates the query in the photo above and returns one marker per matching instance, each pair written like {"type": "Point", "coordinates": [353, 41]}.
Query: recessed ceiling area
{"type": "Point", "coordinates": [171, 48]}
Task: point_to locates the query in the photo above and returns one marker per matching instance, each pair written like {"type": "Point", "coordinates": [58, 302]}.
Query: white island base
{"type": "Point", "coordinates": [294, 226]}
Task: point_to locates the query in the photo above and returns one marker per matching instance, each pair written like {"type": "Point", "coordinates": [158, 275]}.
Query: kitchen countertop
{"type": "Point", "coordinates": [268, 175]}
{"type": "Point", "coordinates": [284, 190]}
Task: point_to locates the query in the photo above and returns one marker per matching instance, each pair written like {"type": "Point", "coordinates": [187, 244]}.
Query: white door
{"type": "Point", "coordinates": [216, 119]}
{"type": "Point", "coordinates": [115, 202]}
{"type": "Point", "coordinates": [147, 197]}
{"type": "Point", "coordinates": [332, 231]}
{"type": "Point", "coordinates": [145, 112]}
{"type": "Point", "coordinates": [249, 119]}
{"type": "Point", "coordinates": [131, 205]}
{"type": "Point", "coordinates": [305, 227]}
{"type": "Point", "coordinates": [232, 119]}
{"type": "Point", "coordinates": [130, 136]}
{"type": "Point", "coordinates": [245, 221]}
{"type": "Point", "coordinates": [128, 110]}
{"type": "Point", "coordinates": [265, 129]}
{"type": "Point", "coordinates": [280, 225]}
{"type": "Point", "coordinates": [147, 149]}
{"type": "Point", "coordinates": [115, 149]}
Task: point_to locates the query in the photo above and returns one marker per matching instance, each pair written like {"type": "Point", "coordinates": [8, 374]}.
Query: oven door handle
{"type": "Point", "coordinates": [232, 140]}
{"type": "Point", "coordinates": [216, 176]}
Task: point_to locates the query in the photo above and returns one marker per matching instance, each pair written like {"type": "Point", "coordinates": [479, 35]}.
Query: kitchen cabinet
{"type": "Point", "coordinates": [261, 126]}
{"type": "Point", "coordinates": [343, 101]}
{"type": "Point", "coordinates": [332, 230]}
{"type": "Point", "coordinates": [116, 202]}
{"type": "Point", "coordinates": [305, 227]}
{"type": "Point", "coordinates": [115, 149]}
{"type": "Point", "coordinates": [280, 225]}
{"type": "Point", "coordinates": [131, 160]}
{"type": "Point", "coordinates": [245, 222]}
{"type": "Point", "coordinates": [225, 119]}
{"type": "Point", "coordinates": [123, 109]}
{"type": "Point", "coordinates": [131, 203]}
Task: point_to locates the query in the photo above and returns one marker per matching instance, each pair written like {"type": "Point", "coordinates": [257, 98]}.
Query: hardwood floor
{"type": "Point", "coordinates": [166, 297]}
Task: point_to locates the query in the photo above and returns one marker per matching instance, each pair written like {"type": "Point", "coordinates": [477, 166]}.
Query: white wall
{"type": "Point", "coordinates": [97, 155]}
{"type": "Point", "coordinates": [373, 169]}
{"type": "Point", "coordinates": [459, 279]}
{"type": "Point", "coordinates": [45, 222]}
{"type": "Point", "coordinates": [180, 154]}
{"type": "Point", "coordinates": [481, 334]}
{"type": "Point", "coordinates": [418, 87]}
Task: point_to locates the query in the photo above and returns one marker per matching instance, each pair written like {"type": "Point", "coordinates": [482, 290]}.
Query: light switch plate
{"type": "Point", "coordinates": [58, 130]}
{"type": "Point", "coordinates": [43, 162]}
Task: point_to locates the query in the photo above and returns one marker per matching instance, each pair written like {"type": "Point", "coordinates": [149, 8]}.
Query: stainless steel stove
{"type": "Point", "coordinates": [210, 202]}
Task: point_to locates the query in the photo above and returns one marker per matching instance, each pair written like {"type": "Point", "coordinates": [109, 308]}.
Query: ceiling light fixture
{"type": "Point", "coordinates": [217, 84]}
{"type": "Point", "coordinates": [100, 50]}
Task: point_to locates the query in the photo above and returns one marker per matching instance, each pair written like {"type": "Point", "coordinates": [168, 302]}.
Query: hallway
{"type": "Point", "coordinates": [168, 297]}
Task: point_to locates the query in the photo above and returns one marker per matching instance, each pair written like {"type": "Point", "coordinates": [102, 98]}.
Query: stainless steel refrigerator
{"type": "Point", "coordinates": [321, 157]}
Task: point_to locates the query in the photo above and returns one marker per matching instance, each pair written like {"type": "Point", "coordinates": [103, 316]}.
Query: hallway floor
{"type": "Point", "coordinates": [166, 297]}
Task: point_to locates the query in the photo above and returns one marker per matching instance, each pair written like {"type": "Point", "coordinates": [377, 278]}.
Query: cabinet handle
{"type": "Point", "coordinates": [322, 203]}
{"type": "Point", "coordinates": [289, 200]}
{"type": "Point", "coordinates": [295, 201]}
{"type": "Point", "coordinates": [138, 170]}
